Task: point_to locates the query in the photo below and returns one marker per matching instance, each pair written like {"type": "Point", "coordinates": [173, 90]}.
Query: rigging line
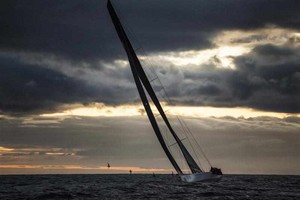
{"type": "Point", "coordinates": [191, 144]}
{"type": "Point", "coordinates": [176, 142]}
{"type": "Point", "coordinates": [167, 96]}
{"type": "Point", "coordinates": [151, 68]}
{"type": "Point", "coordinates": [144, 53]}
{"type": "Point", "coordinates": [128, 48]}
{"type": "Point", "coordinates": [153, 79]}
{"type": "Point", "coordinates": [136, 40]}
{"type": "Point", "coordinates": [133, 36]}
{"type": "Point", "coordinates": [190, 161]}
{"type": "Point", "coordinates": [183, 127]}
{"type": "Point", "coordinates": [159, 91]}
{"type": "Point", "coordinates": [130, 31]}
{"type": "Point", "coordinates": [185, 132]}
{"type": "Point", "coordinates": [172, 150]}
{"type": "Point", "coordinates": [137, 71]}
{"type": "Point", "coordinates": [197, 143]}
{"type": "Point", "coordinates": [151, 63]}
{"type": "Point", "coordinates": [181, 157]}
{"type": "Point", "coordinates": [186, 127]}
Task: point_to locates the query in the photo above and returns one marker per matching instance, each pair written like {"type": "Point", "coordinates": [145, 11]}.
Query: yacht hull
{"type": "Point", "coordinates": [200, 177]}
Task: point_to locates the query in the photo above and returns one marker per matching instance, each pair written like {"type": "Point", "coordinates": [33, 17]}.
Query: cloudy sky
{"type": "Point", "coordinates": [68, 102]}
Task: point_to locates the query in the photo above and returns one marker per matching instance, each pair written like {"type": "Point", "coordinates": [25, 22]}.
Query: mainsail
{"type": "Point", "coordinates": [143, 84]}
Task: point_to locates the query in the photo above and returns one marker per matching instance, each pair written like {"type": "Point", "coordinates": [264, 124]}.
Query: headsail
{"type": "Point", "coordinates": [133, 60]}
{"type": "Point", "coordinates": [141, 80]}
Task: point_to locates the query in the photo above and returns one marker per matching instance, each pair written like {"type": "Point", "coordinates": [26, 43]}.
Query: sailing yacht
{"type": "Point", "coordinates": [143, 85]}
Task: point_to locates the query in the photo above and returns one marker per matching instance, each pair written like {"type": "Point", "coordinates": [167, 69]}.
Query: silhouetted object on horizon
{"type": "Point", "coordinates": [216, 171]}
{"type": "Point", "coordinates": [108, 165]}
{"type": "Point", "coordinates": [130, 172]}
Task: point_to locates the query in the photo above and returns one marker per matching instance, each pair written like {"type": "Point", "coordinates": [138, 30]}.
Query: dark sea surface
{"type": "Point", "coordinates": [41, 187]}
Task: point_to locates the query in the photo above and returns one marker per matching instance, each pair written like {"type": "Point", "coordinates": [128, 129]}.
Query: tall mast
{"type": "Point", "coordinates": [134, 64]}
{"type": "Point", "coordinates": [141, 78]}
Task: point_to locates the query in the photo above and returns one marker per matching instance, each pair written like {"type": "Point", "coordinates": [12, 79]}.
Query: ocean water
{"type": "Point", "coordinates": [39, 187]}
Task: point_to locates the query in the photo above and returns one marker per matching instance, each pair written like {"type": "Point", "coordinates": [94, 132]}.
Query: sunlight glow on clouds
{"type": "Point", "coordinates": [224, 55]}
{"type": "Point", "coordinates": [136, 110]}
{"type": "Point", "coordinates": [228, 44]}
{"type": "Point", "coordinates": [99, 109]}
{"type": "Point", "coordinates": [98, 169]}
{"type": "Point", "coordinates": [4, 151]}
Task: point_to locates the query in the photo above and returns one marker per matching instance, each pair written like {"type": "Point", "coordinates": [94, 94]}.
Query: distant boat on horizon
{"type": "Point", "coordinates": [143, 85]}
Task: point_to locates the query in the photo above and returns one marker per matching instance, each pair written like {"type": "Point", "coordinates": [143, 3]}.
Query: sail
{"type": "Point", "coordinates": [190, 161]}
{"type": "Point", "coordinates": [142, 80]}
{"type": "Point", "coordinates": [133, 60]}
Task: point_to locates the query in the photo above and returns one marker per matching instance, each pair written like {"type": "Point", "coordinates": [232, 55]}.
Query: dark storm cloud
{"type": "Point", "coordinates": [267, 78]}
{"type": "Point", "coordinates": [71, 29]}
{"type": "Point", "coordinates": [83, 30]}
{"type": "Point", "coordinates": [28, 88]}
{"type": "Point", "coordinates": [178, 25]}
{"type": "Point", "coordinates": [271, 86]}
{"type": "Point", "coordinates": [271, 50]}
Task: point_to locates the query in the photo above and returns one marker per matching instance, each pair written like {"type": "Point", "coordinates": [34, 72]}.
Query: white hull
{"type": "Point", "coordinates": [198, 177]}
